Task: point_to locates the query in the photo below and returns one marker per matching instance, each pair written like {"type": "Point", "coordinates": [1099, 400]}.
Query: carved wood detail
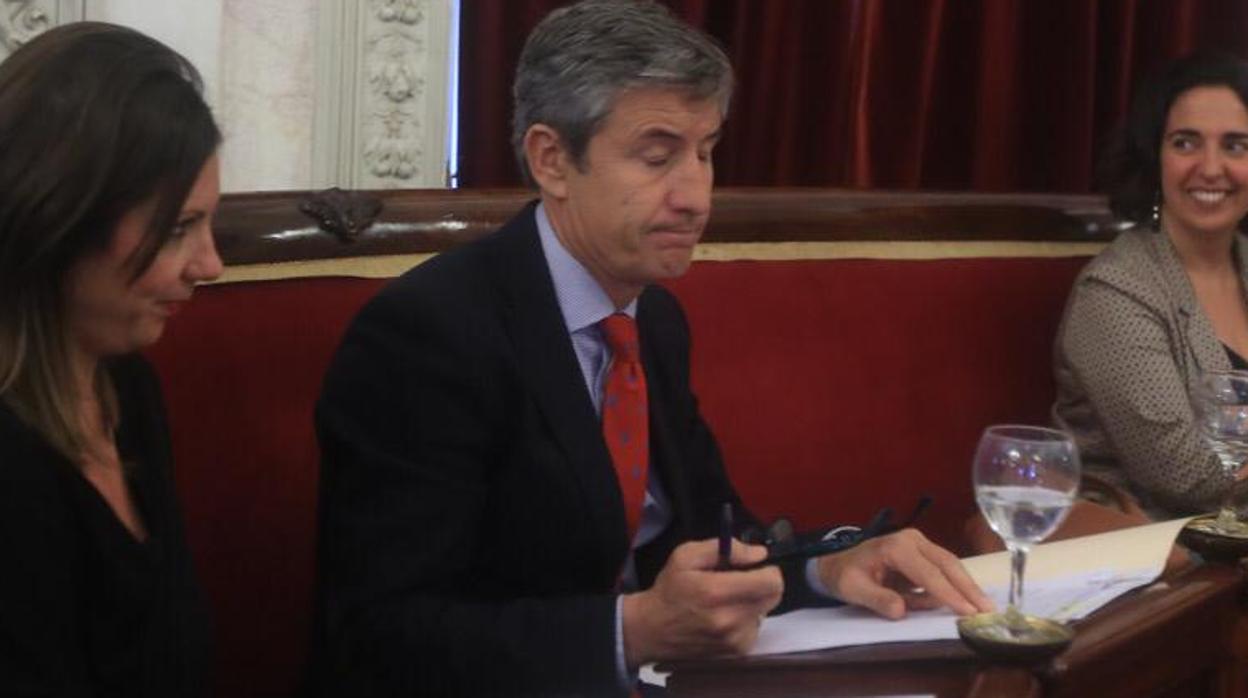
{"type": "Point", "coordinates": [345, 215]}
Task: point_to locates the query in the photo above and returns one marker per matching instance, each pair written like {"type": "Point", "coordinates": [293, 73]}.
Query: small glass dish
{"type": "Point", "coordinates": [1204, 536]}
{"type": "Point", "coordinates": [990, 637]}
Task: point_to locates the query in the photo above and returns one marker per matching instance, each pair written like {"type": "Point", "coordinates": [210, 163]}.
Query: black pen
{"type": "Point", "coordinates": [725, 537]}
{"type": "Point", "coordinates": [924, 502]}
{"type": "Point", "coordinates": [878, 524]}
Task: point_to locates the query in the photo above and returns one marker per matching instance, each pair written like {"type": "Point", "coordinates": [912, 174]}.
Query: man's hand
{"type": "Point", "coordinates": [694, 611]}
{"type": "Point", "coordinates": [899, 571]}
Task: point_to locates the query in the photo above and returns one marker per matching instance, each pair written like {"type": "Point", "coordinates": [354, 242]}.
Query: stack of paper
{"type": "Point", "coordinates": [1065, 580]}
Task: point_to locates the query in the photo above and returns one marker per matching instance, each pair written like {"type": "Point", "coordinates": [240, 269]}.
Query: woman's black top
{"type": "Point", "coordinates": [86, 609]}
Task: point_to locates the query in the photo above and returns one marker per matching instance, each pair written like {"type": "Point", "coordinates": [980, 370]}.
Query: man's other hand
{"type": "Point", "coordinates": [695, 611]}
{"type": "Point", "coordinates": [901, 571]}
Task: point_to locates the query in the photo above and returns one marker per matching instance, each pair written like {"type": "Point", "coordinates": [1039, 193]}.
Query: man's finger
{"type": "Point", "coordinates": [695, 555]}
{"type": "Point", "coordinates": [919, 599]}
{"type": "Point", "coordinates": [945, 579]}
{"type": "Point", "coordinates": [704, 554]}
{"type": "Point", "coordinates": [909, 560]}
{"type": "Point", "coordinates": [927, 565]}
{"type": "Point", "coordinates": [861, 590]}
{"type": "Point", "coordinates": [747, 554]}
{"type": "Point", "coordinates": [760, 588]}
{"type": "Point", "coordinates": [957, 575]}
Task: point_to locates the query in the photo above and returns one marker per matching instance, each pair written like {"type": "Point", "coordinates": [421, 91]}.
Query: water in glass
{"type": "Point", "coordinates": [1023, 514]}
{"type": "Point", "coordinates": [1222, 412]}
{"type": "Point", "coordinates": [1025, 482]}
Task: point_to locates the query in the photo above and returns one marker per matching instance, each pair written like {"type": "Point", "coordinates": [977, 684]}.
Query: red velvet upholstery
{"type": "Point", "coordinates": [860, 383]}
{"type": "Point", "coordinates": [241, 369]}
{"type": "Point", "coordinates": [857, 384]}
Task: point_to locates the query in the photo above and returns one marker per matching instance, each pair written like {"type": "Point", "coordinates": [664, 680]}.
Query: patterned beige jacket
{"type": "Point", "coordinates": [1130, 348]}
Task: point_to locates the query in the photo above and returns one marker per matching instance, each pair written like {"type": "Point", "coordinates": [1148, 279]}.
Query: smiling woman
{"type": "Point", "coordinates": [110, 310]}
{"type": "Point", "coordinates": [1167, 301]}
{"type": "Point", "coordinates": [108, 186]}
{"type": "Point", "coordinates": [1204, 165]}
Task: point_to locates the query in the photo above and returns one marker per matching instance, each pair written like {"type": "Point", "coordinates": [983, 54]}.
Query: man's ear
{"type": "Point", "coordinates": [547, 159]}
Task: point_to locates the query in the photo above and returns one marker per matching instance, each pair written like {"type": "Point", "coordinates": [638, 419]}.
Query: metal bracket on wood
{"type": "Point", "coordinates": [344, 214]}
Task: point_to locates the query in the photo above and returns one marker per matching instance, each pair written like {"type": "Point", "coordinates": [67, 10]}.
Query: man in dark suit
{"type": "Point", "coordinates": [517, 490]}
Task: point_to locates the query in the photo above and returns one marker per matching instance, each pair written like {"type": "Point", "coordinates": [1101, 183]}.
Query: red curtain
{"type": "Point", "coordinates": [988, 95]}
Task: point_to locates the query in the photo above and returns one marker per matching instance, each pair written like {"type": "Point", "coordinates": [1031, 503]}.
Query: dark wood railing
{"type": "Point", "coordinates": [295, 225]}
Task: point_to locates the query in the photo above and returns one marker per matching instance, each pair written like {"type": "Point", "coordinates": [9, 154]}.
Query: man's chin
{"type": "Point", "coordinates": [673, 266]}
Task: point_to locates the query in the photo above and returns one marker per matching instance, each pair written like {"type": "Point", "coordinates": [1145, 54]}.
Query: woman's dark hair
{"type": "Point", "coordinates": [1130, 169]}
{"type": "Point", "coordinates": [95, 120]}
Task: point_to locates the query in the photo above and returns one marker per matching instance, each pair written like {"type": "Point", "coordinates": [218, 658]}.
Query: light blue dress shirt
{"type": "Point", "coordinates": [584, 304]}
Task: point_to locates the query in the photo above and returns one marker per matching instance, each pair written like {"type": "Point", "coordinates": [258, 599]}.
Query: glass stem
{"type": "Point", "coordinates": [1227, 518]}
{"type": "Point", "coordinates": [1018, 563]}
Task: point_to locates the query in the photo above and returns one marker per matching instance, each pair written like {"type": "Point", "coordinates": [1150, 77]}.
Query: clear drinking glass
{"type": "Point", "coordinates": [1026, 479]}
{"type": "Point", "coordinates": [1221, 405]}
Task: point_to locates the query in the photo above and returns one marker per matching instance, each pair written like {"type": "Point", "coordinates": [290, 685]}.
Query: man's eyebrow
{"type": "Point", "coordinates": [660, 133]}
{"type": "Point", "coordinates": [674, 139]}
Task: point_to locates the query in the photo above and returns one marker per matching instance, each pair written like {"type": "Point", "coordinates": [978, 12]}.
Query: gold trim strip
{"type": "Point", "coordinates": [891, 249]}
{"type": "Point", "coordinates": [377, 267]}
{"type": "Point", "coordinates": [389, 266]}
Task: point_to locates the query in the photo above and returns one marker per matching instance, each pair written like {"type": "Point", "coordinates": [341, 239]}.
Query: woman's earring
{"type": "Point", "coordinates": [1157, 212]}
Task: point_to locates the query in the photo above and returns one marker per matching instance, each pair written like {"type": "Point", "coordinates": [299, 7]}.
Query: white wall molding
{"type": "Point", "coordinates": [310, 93]}
{"type": "Point", "coordinates": [190, 27]}
{"type": "Point", "coordinates": [23, 20]}
{"type": "Point", "coordinates": [382, 72]}
{"type": "Point", "coordinates": [268, 63]}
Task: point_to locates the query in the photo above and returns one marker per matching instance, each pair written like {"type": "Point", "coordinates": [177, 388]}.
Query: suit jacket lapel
{"type": "Point", "coordinates": [665, 457]}
{"type": "Point", "coordinates": [548, 365]}
{"type": "Point", "coordinates": [1206, 350]}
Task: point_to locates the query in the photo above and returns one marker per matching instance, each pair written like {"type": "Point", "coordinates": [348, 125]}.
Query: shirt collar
{"type": "Point", "coordinates": [581, 299]}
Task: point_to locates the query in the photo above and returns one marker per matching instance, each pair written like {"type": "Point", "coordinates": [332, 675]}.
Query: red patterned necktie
{"type": "Point", "coordinates": [624, 415]}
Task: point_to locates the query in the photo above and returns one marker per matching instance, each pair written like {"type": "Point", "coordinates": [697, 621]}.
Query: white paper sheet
{"type": "Point", "coordinates": [1065, 580]}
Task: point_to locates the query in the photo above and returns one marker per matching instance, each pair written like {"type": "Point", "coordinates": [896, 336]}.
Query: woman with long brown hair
{"type": "Point", "coordinates": [108, 185]}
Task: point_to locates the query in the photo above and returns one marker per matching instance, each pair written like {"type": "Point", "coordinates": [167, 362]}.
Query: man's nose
{"type": "Point", "coordinates": [691, 186]}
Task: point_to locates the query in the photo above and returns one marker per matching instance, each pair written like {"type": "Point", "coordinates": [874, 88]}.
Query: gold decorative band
{"type": "Point", "coordinates": [389, 266]}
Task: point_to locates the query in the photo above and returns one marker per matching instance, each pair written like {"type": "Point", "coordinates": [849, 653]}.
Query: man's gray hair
{"type": "Point", "coordinates": [581, 57]}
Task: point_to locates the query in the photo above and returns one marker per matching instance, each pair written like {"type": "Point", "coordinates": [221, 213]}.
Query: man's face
{"type": "Point", "coordinates": [636, 207]}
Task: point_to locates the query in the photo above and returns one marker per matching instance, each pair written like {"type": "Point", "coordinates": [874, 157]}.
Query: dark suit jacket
{"type": "Point", "coordinates": [471, 525]}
